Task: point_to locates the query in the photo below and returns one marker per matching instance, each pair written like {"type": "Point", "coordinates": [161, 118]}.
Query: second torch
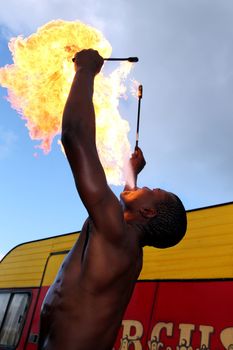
{"type": "Point", "coordinates": [138, 118]}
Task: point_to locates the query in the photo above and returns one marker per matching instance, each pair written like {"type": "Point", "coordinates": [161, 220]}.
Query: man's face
{"type": "Point", "coordinates": [144, 197]}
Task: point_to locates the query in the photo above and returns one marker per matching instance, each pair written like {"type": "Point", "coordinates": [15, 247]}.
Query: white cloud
{"type": "Point", "coordinates": [110, 18]}
{"type": "Point", "coordinates": [90, 11]}
{"type": "Point", "coordinates": [18, 15]}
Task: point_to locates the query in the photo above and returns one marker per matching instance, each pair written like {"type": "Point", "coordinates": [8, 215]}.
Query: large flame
{"type": "Point", "coordinates": [39, 80]}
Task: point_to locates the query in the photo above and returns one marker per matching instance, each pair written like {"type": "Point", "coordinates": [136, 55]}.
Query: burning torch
{"type": "Point", "coordinates": [138, 118]}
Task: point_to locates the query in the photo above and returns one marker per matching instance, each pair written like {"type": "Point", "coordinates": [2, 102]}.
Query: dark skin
{"type": "Point", "coordinates": [85, 305]}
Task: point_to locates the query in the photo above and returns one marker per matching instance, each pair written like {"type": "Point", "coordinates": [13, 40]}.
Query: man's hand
{"type": "Point", "coordinates": [88, 59]}
{"type": "Point", "coordinates": [137, 161]}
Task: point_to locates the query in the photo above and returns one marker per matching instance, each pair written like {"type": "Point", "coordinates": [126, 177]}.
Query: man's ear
{"type": "Point", "coordinates": [148, 213]}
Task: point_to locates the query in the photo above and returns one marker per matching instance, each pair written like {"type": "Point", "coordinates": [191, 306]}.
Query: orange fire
{"type": "Point", "coordinates": [39, 80]}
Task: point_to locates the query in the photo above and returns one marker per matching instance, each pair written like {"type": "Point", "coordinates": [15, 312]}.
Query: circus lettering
{"type": "Point", "coordinates": [172, 336]}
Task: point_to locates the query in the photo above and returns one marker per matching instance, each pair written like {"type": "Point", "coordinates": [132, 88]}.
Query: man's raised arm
{"type": "Point", "coordinates": [78, 139]}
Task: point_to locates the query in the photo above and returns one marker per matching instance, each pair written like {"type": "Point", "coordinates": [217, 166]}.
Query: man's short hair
{"type": "Point", "coordinates": [168, 227]}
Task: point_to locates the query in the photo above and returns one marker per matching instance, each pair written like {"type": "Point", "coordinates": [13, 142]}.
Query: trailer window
{"type": "Point", "coordinates": [13, 319]}
{"type": "Point", "coordinates": [4, 300]}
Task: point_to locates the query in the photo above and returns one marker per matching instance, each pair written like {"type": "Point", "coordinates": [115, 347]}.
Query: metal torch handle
{"type": "Point", "coordinates": [130, 59]}
{"type": "Point", "coordinates": [140, 89]}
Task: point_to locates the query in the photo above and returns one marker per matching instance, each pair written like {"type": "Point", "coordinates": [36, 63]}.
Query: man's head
{"type": "Point", "coordinates": [159, 214]}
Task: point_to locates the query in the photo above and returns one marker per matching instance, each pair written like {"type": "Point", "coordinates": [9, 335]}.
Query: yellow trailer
{"type": "Point", "coordinates": [183, 298]}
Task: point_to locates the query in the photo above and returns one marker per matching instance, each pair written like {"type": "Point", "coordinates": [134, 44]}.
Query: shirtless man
{"type": "Point", "coordinates": [88, 299]}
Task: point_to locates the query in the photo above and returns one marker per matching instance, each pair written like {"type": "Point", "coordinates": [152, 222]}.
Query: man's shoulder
{"type": "Point", "coordinates": [121, 253]}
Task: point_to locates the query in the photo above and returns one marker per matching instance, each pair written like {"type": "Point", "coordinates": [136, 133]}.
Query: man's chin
{"type": "Point", "coordinates": [131, 189]}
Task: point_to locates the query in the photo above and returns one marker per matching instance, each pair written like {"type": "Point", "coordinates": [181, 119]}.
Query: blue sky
{"type": "Point", "coordinates": [185, 50]}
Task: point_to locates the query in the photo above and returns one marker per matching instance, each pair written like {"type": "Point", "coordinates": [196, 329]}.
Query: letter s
{"type": "Point", "coordinates": [226, 337]}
